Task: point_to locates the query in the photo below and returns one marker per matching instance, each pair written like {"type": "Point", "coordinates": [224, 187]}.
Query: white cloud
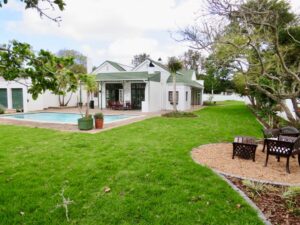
{"type": "Point", "coordinates": [114, 29]}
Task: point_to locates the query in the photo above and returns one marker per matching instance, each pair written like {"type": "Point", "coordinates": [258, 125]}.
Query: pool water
{"type": "Point", "coordinates": [61, 117]}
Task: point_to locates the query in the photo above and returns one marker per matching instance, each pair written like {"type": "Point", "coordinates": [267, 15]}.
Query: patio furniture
{"type": "Point", "coordinates": [244, 147]}
{"type": "Point", "coordinates": [128, 106]}
{"type": "Point", "coordinates": [110, 104]}
{"type": "Point", "coordinates": [270, 133]}
{"type": "Point", "coordinates": [285, 146]}
{"type": "Point", "coordinates": [289, 131]}
{"type": "Point", "coordinates": [117, 106]}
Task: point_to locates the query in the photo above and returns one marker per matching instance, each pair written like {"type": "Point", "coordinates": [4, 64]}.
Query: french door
{"type": "Point", "coordinates": [137, 95]}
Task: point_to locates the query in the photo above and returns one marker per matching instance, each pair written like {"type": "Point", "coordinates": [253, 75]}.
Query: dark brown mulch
{"type": "Point", "coordinates": [271, 203]}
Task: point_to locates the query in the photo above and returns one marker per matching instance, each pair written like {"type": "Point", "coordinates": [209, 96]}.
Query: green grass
{"type": "Point", "coordinates": [147, 165]}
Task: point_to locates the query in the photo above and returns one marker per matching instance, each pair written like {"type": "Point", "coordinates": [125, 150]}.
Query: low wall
{"type": "Point", "coordinates": [221, 97]}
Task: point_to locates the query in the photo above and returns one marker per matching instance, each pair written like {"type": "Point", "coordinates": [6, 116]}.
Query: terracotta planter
{"type": "Point", "coordinates": [98, 123]}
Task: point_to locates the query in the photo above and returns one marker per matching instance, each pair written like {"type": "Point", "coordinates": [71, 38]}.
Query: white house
{"type": "Point", "coordinates": [147, 87]}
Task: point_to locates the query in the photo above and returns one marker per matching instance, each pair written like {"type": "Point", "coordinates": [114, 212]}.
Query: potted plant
{"type": "Point", "coordinates": [98, 120]}
{"type": "Point", "coordinates": [86, 122]}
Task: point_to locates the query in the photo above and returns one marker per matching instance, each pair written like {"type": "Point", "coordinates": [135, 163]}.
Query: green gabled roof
{"type": "Point", "coordinates": [116, 65]}
{"type": "Point", "coordinates": [184, 79]}
{"type": "Point", "coordinates": [120, 76]}
{"type": "Point", "coordinates": [187, 73]}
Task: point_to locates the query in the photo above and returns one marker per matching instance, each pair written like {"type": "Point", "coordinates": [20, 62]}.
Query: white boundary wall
{"type": "Point", "coordinates": [222, 97]}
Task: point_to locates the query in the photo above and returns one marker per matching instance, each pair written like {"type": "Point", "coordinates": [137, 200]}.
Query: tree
{"type": "Point", "coordinates": [192, 60]}
{"type": "Point", "coordinates": [80, 60]}
{"type": "Point", "coordinates": [19, 61]}
{"type": "Point", "coordinates": [258, 39]}
{"type": "Point", "coordinates": [36, 4]}
{"type": "Point", "coordinates": [174, 65]}
{"type": "Point", "coordinates": [66, 83]}
{"type": "Point", "coordinates": [216, 78]}
{"type": "Point", "coordinates": [90, 85]}
{"type": "Point", "coordinates": [138, 59]}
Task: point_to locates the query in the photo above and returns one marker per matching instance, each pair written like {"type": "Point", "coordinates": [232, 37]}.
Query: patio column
{"type": "Point", "coordinates": [123, 93]}
{"type": "Point", "coordinates": [98, 83]}
{"type": "Point", "coordinates": [101, 93]}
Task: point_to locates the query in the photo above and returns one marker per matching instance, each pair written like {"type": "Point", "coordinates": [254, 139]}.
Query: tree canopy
{"type": "Point", "coordinates": [259, 40]}
{"type": "Point", "coordinates": [36, 4]}
{"type": "Point", "coordinates": [80, 60]}
{"type": "Point", "coordinates": [37, 70]}
{"type": "Point", "coordinates": [138, 59]}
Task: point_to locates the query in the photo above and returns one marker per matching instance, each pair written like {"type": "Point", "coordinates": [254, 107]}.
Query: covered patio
{"type": "Point", "coordinates": [126, 90]}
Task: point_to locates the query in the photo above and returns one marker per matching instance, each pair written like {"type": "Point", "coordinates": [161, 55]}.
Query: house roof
{"type": "Point", "coordinates": [185, 77]}
{"type": "Point", "coordinates": [120, 76]}
{"type": "Point", "coordinates": [118, 66]}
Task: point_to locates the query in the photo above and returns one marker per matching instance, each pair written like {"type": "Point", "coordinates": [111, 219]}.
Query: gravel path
{"type": "Point", "coordinates": [219, 157]}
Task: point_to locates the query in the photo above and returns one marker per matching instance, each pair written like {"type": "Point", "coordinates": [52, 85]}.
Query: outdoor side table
{"type": "Point", "coordinates": [244, 147]}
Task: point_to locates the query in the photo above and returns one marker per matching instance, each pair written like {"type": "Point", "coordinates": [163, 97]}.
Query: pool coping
{"type": "Point", "coordinates": [74, 127]}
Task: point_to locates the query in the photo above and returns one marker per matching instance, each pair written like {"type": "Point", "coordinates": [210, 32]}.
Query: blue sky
{"type": "Point", "coordinates": [102, 29]}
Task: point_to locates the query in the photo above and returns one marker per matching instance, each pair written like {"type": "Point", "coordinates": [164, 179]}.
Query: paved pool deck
{"type": "Point", "coordinates": [74, 128]}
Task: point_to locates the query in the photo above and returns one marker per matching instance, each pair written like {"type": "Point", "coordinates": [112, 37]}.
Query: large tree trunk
{"type": "Point", "coordinates": [252, 100]}
{"type": "Point", "coordinates": [69, 99]}
{"type": "Point", "coordinates": [61, 100]}
{"type": "Point", "coordinates": [174, 94]}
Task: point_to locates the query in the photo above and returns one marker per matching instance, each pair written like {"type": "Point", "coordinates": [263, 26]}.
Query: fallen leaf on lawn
{"type": "Point", "coordinates": [106, 189]}
{"type": "Point", "coordinates": [238, 206]}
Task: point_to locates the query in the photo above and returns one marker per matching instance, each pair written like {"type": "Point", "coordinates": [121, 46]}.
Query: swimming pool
{"type": "Point", "coordinates": [53, 117]}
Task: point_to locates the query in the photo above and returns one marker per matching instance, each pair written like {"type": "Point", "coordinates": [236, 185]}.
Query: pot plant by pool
{"type": "Point", "coordinates": [86, 122]}
{"type": "Point", "coordinates": [98, 120]}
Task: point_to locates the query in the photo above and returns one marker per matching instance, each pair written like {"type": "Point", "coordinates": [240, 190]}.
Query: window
{"type": "Point", "coordinates": [96, 94]}
{"type": "Point", "coordinates": [171, 97]}
{"type": "Point", "coordinates": [186, 96]}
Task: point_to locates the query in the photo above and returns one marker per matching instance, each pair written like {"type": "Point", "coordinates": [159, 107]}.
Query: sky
{"type": "Point", "coordinates": [106, 29]}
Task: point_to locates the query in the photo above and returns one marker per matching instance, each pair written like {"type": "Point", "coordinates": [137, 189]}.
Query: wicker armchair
{"type": "Point", "coordinates": [283, 148]}
{"type": "Point", "coordinates": [270, 133]}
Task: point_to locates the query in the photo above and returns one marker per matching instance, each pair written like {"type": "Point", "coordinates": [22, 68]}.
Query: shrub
{"type": "Point", "coordinates": [292, 199]}
{"type": "Point", "coordinates": [179, 114]}
{"type": "Point", "coordinates": [98, 116]}
{"type": "Point", "coordinates": [254, 188]}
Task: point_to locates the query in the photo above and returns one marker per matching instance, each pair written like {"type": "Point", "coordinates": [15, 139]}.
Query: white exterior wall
{"type": "Point", "coordinates": [220, 97]}
{"type": "Point", "coordinates": [152, 104]}
{"type": "Point", "coordinates": [163, 79]}
{"type": "Point", "coordinates": [43, 101]}
{"type": "Point", "coordinates": [183, 104]}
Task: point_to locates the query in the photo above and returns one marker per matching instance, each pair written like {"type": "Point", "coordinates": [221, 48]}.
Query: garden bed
{"type": "Point", "coordinates": [271, 201]}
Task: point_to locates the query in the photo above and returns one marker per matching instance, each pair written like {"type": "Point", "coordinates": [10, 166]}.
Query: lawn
{"type": "Point", "coordinates": [147, 166]}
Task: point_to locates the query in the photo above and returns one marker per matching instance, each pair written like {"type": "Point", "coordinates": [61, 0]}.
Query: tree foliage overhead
{"type": "Point", "coordinates": [37, 5]}
{"type": "Point", "coordinates": [260, 40]}
{"type": "Point", "coordinates": [138, 59]}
